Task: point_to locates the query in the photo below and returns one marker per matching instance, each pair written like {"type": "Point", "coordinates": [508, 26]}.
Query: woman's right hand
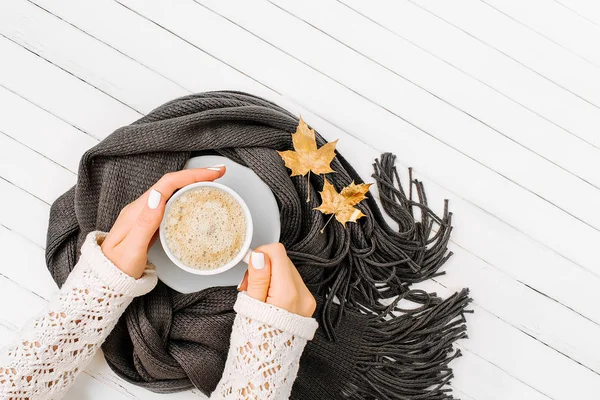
{"type": "Point", "coordinates": [273, 279]}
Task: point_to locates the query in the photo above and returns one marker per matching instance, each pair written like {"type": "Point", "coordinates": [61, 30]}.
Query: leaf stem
{"type": "Point", "coordinates": [323, 229]}
{"type": "Point", "coordinates": [308, 193]}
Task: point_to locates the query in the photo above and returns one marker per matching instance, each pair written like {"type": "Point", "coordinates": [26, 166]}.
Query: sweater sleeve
{"type": "Point", "coordinates": [59, 343]}
{"type": "Point", "coordinates": [264, 354]}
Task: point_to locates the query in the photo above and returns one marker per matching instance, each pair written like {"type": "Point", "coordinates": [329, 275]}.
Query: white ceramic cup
{"type": "Point", "coordinates": [245, 251]}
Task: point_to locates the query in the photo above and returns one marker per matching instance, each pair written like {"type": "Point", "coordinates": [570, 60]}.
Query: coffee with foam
{"type": "Point", "coordinates": [205, 228]}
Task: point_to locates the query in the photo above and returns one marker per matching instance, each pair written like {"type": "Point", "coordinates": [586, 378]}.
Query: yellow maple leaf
{"type": "Point", "coordinates": [341, 205]}
{"type": "Point", "coordinates": [306, 157]}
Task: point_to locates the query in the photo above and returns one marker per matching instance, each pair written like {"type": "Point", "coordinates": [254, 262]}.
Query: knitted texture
{"type": "Point", "coordinates": [61, 341]}
{"type": "Point", "coordinates": [364, 348]}
{"type": "Point", "coordinates": [45, 360]}
{"type": "Point", "coordinates": [265, 349]}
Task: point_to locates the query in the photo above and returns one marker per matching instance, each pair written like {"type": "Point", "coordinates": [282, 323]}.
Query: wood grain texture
{"type": "Point", "coordinates": [494, 104]}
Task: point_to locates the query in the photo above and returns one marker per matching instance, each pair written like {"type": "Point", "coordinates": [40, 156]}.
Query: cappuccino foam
{"type": "Point", "coordinates": [205, 228]}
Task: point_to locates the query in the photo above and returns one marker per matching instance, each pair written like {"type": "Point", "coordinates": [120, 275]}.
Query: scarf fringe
{"type": "Point", "coordinates": [405, 353]}
{"type": "Point", "coordinates": [406, 357]}
{"type": "Point", "coordinates": [394, 259]}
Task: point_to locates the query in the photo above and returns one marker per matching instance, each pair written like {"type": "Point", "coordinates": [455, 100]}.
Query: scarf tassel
{"type": "Point", "coordinates": [393, 259]}
{"type": "Point", "coordinates": [406, 357]}
{"type": "Point", "coordinates": [405, 352]}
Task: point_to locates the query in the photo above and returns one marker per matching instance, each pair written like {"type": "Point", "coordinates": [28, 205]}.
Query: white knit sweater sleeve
{"type": "Point", "coordinates": [264, 354]}
{"type": "Point", "coordinates": [266, 341]}
{"type": "Point", "coordinates": [59, 343]}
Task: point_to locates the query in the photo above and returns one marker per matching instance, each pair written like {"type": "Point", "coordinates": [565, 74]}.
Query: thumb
{"type": "Point", "coordinates": [147, 222]}
{"type": "Point", "coordinates": [259, 276]}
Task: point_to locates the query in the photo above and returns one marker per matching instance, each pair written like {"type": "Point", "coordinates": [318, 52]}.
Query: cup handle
{"type": "Point", "coordinates": [246, 258]}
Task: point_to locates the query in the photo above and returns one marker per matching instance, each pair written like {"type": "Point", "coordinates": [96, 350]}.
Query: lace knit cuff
{"type": "Point", "coordinates": [109, 274]}
{"type": "Point", "coordinates": [276, 317]}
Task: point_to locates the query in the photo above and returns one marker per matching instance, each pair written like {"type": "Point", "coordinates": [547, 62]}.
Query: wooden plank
{"type": "Point", "coordinates": [25, 264]}
{"type": "Point", "coordinates": [512, 294]}
{"type": "Point", "coordinates": [85, 387]}
{"type": "Point", "coordinates": [88, 387]}
{"type": "Point", "coordinates": [40, 82]}
{"type": "Point", "coordinates": [12, 320]}
{"type": "Point", "coordinates": [133, 84]}
{"type": "Point", "coordinates": [589, 10]}
{"type": "Point", "coordinates": [471, 272]}
{"type": "Point", "coordinates": [23, 213]}
{"type": "Point", "coordinates": [22, 248]}
{"type": "Point", "coordinates": [152, 46]}
{"type": "Point", "coordinates": [102, 372]}
{"type": "Point", "coordinates": [451, 126]}
{"type": "Point", "coordinates": [498, 293]}
{"type": "Point", "coordinates": [482, 62]}
{"type": "Point", "coordinates": [530, 361]}
{"type": "Point", "coordinates": [6, 335]}
{"type": "Point", "coordinates": [25, 168]}
{"type": "Point", "coordinates": [43, 133]}
{"type": "Point", "coordinates": [359, 32]}
{"type": "Point", "coordinates": [499, 381]}
{"type": "Point", "coordinates": [567, 29]}
{"type": "Point", "coordinates": [501, 113]}
{"type": "Point", "coordinates": [376, 125]}
{"type": "Point", "coordinates": [526, 262]}
{"type": "Point", "coordinates": [460, 395]}
{"type": "Point", "coordinates": [522, 45]}
{"type": "Point", "coordinates": [527, 310]}
{"type": "Point", "coordinates": [473, 381]}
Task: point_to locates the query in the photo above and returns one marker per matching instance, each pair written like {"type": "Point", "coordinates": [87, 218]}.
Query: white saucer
{"type": "Point", "coordinates": [265, 215]}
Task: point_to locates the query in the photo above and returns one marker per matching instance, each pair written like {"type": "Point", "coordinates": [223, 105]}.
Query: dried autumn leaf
{"type": "Point", "coordinates": [306, 157]}
{"type": "Point", "coordinates": [341, 205]}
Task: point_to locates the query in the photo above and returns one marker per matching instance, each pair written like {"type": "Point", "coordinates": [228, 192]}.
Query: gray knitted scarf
{"type": "Point", "coordinates": [167, 341]}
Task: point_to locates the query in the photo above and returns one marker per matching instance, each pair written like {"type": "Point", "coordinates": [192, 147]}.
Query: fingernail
{"type": "Point", "coordinates": [154, 199]}
{"type": "Point", "coordinates": [216, 167]}
{"type": "Point", "coordinates": [258, 260]}
{"type": "Point", "coordinates": [242, 281]}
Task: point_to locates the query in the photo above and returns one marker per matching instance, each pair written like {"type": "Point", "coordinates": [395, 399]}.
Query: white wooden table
{"type": "Point", "coordinates": [495, 103]}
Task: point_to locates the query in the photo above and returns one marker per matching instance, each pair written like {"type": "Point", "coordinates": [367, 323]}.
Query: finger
{"type": "Point", "coordinates": [295, 274]}
{"type": "Point", "coordinates": [179, 179]}
{"type": "Point", "coordinates": [153, 202]}
{"type": "Point", "coordinates": [172, 181]}
{"type": "Point", "coordinates": [153, 240]}
{"type": "Point", "coordinates": [147, 222]}
{"type": "Point", "coordinates": [120, 228]}
{"type": "Point", "coordinates": [259, 276]}
{"type": "Point", "coordinates": [280, 263]}
{"type": "Point", "coordinates": [244, 283]}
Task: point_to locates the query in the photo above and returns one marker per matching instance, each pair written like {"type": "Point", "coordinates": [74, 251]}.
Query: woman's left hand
{"type": "Point", "coordinates": [135, 230]}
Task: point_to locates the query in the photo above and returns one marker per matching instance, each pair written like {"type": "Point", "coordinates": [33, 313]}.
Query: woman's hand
{"type": "Point", "coordinates": [135, 230]}
{"type": "Point", "coordinates": [273, 278]}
